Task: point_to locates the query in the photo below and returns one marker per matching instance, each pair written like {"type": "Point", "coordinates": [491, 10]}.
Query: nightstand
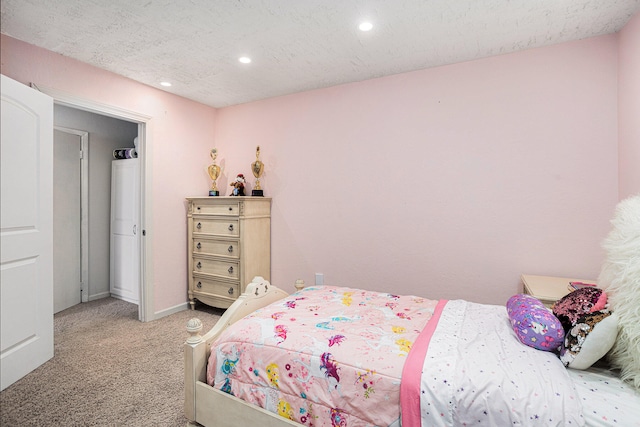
{"type": "Point", "coordinates": [548, 289]}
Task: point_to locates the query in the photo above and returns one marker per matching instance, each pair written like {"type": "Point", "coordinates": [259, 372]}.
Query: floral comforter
{"type": "Point", "coordinates": [329, 356]}
{"type": "Point", "coordinates": [319, 369]}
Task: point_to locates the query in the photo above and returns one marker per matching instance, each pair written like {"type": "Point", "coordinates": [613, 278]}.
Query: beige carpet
{"type": "Point", "coordinates": [108, 369]}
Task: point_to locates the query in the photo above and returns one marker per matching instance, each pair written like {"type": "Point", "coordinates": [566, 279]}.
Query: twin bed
{"type": "Point", "coordinates": [337, 356]}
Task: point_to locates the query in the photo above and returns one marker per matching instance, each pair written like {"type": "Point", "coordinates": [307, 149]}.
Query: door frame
{"type": "Point", "coordinates": [145, 124]}
{"type": "Point", "coordinates": [84, 208]}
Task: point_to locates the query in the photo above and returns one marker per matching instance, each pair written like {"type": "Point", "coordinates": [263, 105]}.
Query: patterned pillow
{"type": "Point", "coordinates": [577, 304]}
{"type": "Point", "coordinates": [590, 338]}
{"type": "Point", "coordinates": [534, 324]}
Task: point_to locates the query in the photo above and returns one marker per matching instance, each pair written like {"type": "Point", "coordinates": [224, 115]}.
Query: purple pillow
{"type": "Point", "coordinates": [534, 324]}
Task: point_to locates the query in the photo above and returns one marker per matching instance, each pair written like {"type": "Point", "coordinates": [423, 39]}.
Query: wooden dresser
{"type": "Point", "coordinates": [229, 242]}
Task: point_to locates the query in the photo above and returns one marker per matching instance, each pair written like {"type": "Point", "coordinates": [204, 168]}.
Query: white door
{"type": "Point", "coordinates": [125, 236]}
{"type": "Point", "coordinates": [67, 290]}
{"type": "Point", "coordinates": [26, 231]}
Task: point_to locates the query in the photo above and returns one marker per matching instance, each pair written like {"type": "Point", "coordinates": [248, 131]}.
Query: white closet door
{"type": "Point", "coordinates": [125, 233]}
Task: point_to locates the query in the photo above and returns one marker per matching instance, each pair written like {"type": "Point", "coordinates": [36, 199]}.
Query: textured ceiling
{"type": "Point", "coordinates": [296, 45]}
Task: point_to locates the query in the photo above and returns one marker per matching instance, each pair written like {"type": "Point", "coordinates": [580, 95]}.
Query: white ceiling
{"type": "Point", "coordinates": [295, 45]}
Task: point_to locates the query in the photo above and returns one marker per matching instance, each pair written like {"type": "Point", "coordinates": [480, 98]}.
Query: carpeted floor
{"type": "Point", "coordinates": [108, 369]}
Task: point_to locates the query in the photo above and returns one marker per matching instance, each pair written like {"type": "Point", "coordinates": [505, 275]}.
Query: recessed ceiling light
{"type": "Point", "coordinates": [165, 84]}
{"type": "Point", "coordinates": [244, 59]}
{"type": "Point", "coordinates": [365, 26]}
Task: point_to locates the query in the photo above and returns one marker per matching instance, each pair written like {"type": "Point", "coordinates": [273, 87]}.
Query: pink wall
{"type": "Point", "coordinates": [448, 182]}
{"type": "Point", "coordinates": [181, 134]}
{"type": "Point", "coordinates": [629, 107]}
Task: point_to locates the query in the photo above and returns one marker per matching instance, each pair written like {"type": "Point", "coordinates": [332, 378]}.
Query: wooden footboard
{"type": "Point", "coordinates": [204, 404]}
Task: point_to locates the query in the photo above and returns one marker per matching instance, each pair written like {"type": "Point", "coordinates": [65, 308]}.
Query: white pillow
{"type": "Point", "coordinates": [584, 347]}
{"type": "Point", "coordinates": [620, 278]}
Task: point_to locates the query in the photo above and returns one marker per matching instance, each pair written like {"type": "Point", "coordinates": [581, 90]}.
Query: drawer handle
{"type": "Point", "coordinates": [230, 249]}
{"type": "Point", "coordinates": [230, 208]}
{"type": "Point", "coordinates": [199, 226]}
{"type": "Point", "coordinates": [199, 245]}
{"type": "Point", "coordinates": [199, 285]}
{"type": "Point", "coordinates": [230, 291]}
{"type": "Point", "coordinates": [199, 265]}
{"type": "Point", "coordinates": [230, 270]}
{"type": "Point", "coordinates": [230, 227]}
{"type": "Point", "coordinates": [198, 207]}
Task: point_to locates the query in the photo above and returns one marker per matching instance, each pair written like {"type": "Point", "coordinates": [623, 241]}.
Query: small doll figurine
{"type": "Point", "coordinates": [238, 186]}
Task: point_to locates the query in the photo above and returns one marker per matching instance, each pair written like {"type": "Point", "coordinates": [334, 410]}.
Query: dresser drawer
{"type": "Point", "coordinates": [219, 227]}
{"type": "Point", "coordinates": [228, 248]}
{"type": "Point", "coordinates": [229, 208]}
{"type": "Point", "coordinates": [215, 287]}
{"type": "Point", "coordinates": [227, 269]}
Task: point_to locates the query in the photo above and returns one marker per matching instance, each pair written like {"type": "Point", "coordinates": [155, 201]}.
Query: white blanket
{"type": "Point", "coordinates": [476, 372]}
{"type": "Point", "coordinates": [607, 400]}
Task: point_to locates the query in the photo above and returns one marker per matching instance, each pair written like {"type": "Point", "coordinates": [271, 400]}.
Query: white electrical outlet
{"type": "Point", "coordinates": [319, 279]}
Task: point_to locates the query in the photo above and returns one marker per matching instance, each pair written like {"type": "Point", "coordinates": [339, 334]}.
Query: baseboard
{"type": "Point", "coordinates": [157, 315]}
{"type": "Point", "coordinates": [123, 298]}
{"type": "Point", "coordinates": [171, 310]}
{"type": "Point", "coordinates": [99, 296]}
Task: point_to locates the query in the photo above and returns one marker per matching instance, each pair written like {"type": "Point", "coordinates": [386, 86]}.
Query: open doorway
{"type": "Point", "coordinates": [82, 208]}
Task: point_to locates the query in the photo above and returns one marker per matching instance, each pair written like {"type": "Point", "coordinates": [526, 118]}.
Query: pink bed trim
{"type": "Point", "coordinates": [412, 371]}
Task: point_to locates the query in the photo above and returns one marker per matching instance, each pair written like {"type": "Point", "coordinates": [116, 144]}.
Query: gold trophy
{"type": "Point", "coordinates": [214, 173]}
{"type": "Point", "coordinates": [257, 168]}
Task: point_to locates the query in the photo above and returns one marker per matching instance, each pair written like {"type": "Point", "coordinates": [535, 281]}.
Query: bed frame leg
{"type": "Point", "coordinates": [193, 348]}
